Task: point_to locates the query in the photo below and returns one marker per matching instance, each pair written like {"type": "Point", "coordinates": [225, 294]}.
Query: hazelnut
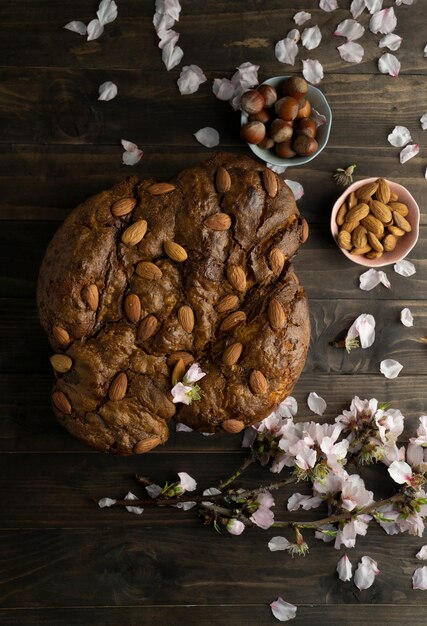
{"type": "Point", "coordinates": [304, 146]}
{"type": "Point", "coordinates": [306, 126]}
{"type": "Point", "coordinates": [305, 109]}
{"type": "Point", "coordinates": [284, 150]}
{"type": "Point", "coordinates": [267, 143]}
{"type": "Point", "coordinates": [295, 86]}
{"type": "Point", "coordinates": [281, 130]}
{"type": "Point", "coordinates": [269, 94]}
{"type": "Point", "coordinates": [253, 132]}
{"type": "Point", "coordinates": [263, 116]}
{"type": "Point", "coordinates": [252, 101]}
{"type": "Point", "coordinates": [286, 108]}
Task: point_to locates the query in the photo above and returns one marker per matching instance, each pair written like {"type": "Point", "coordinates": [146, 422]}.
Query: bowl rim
{"type": "Point", "coordinates": [295, 161]}
{"type": "Point", "coordinates": [415, 223]}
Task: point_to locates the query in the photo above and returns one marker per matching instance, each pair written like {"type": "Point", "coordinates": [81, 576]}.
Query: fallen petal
{"type": "Point", "coordinates": [351, 52]}
{"type": "Point", "coordinates": [363, 327]}
{"type": "Point", "coordinates": [223, 88]}
{"type": "Point", "coordinates": [283, 611]}
{"type": "Point", "coordinates": [372, 278]}
{"type": "Point", "coordinates": [421, 555]}
{"type": "Point", "coordinates": [311, 37]}
{"type": "Point", "coordinates": [185, 506]}
{"type": "Point", "coordinates": [279, 169]}
{"type": "Point", "coordinates": [107, 91]}
{"type": "Point", "coordinates": [94, 30]}
{"type": "Point", "coordinates": [316, 403]}
{"type": "Point", "coordinates": [312, 71]}
{"type": "Point", "coordinates": [106, 502]}
{"type": "Point", "coordinates": [153, 490]}
{"type": "Point", "coordinates": [364, 577]}
{"type": "Point", "coordinates": [246, 76]}
{"type": "Point", "coordinates": [294, 34]}
{"type": "Point", "coordinates": [425, 51]}
{"type": "Point", "coordinates": [296, 188]}
{"type": "Point", "coordinates": [390, 368]}
{"type": "Point", "coordinates": [278, 543]}
{"type": "Point", "coordinates": [208, 137]}
{"type": "Point", "coordinates": [344, 568]}
{"type": "Point", "coordinates": [404, 268]}
{"type": "Point", "coordinates": [287, 408]}
{"type": "Point", "coordinates": [407, 2]}
{"type": "Point", "coordinates": [357, 7]}
{"type": "Point", "coordinates": [399, 136]}
{"type": "Point", "coordinates": [374, 5]}
{"type": "Point", "coordinates": [107, 11]}
{"type": "Point", "coordinates": [172, 55]}
{"type": "Point", "coordinates": [423, 121]}
{"type": "Point", "coordinates": [180, 427]}
{"type": "Point", "coordinates": [383, 21]}
{"type": "Point", "coordinates": [419, 578]}
{"type": "Point", "coordinates": [389, 64]}
{"type": "Point", "coordinates": [133, 509]}
{"type": "Point", "coordinates": [190, 79]}
{"type": "Point", "coordinates": [129, 146]}
{"type": "Point", "coordinates": [350, 29]}
{"type": "Point", "coordinates": [132, 153]}
{"type": "Point", "coordinates": [406, 317]}
{"type": "Point", "coordinates": [235, 527]}
{"type": "Point", "coordinates": [76, 27]}
{"type": "Point", "coordinates": [409, 152]}
{"type": "Point", "coordinates": [211, 491]}
{"type": "Point", "coordinates": [301, 17]}
{"type": "Point", "coordinates": [187, 482]}
{"type": "Point", "coordinates": [391, 41]}
{"type": "Point", "coordinates": [286, 51]}
{"type": "Point", "coordinates": [328, 5]}
{"type": "Point", "coordinates": [318, 118]}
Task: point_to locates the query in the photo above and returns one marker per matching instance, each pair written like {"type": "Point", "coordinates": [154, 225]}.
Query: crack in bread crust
{"type": "Point", "coordinates": [87, 250]}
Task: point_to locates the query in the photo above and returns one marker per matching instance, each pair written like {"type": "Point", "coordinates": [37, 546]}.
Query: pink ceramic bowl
{"type": "Point", "coordinates": [404, 244]}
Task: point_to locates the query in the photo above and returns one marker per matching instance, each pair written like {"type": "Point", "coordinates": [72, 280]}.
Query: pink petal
{"type": "Point", "coordinates": [389, 64]}
{"type": "Point", "coordinates": [390, 368]}
{"type": "Point", "coordinates": [344, 568]}
{"type": "Point", "coordinates": [399, 136]}
{"type": "Point", "coordinates": [350, 29]}
{"type": "Point", "coordinates": [328, 5]}
{"type": "Point", "coordinates": [316, 403]}
{"type": "Point", "coordinates": [296, 188]}
{"type": "Point", "coordinates": [169, 7]}
{"type": "Point", "coordinates": [406, 317]}
{"type": "Point", "coordinates": [263, 517]}
{"type": "Point", "coordinates": [372, 278]}
{"type": "Point", "coordinates": [286, 50]}
{"type": "Point", "coordinates": [129, 146]}
{"type": "Point", "coordinates": [318, 118]}
{"type": "Point", "coordinates": [407, 2]}
{"type": "Point", "coordinates": [423, 121]}
{"type": "Point", "coordinates": [421, 555]}
{"type": "Point", "coordinates": [357, 7]}
{"type": "Point", "coordinates": [370, 562]}
{"type": "Point", "coordinates": [287, 408]}
{"type": "Point", "coordinates": [172, 54]}
{"type": "Point", "coordinates": [107, 11]}
{"type": "Point", "coordinates": [223, 88]}
{"type": "Point", "coordinates": [208, 137]}
{"type": "Point", "coordinates": [404, 268]}
{"type": "Point", "coordinates": [294, 34]}
{"type": "Point", "coordinates": [283, 611]}
{"type": "Point", "coordinates": [374, 5]}
{"type": "Point", "coordinates": [190, 79]}
{"type": "Point", "coordinates": [94, 30]}
{"type": "Point", "coordinates": [419, 578]}
{"type": "Point", "coordinates": [400, 472]}
{"type": "Point", "coordinates": [383, 21]}
{"type": "Point", "coordinates": [312, 71]}
{"type": "Point", "coordinates": [311, 37]}
{"type": "Point", "coordinates": [278, 169]}
{"type": "Point", "coordinates": [278, 543]}
{"type": "Point", "coordinates": [351, 52]}
{"type": "Point", "coordinates": [296, 501]}
{"type": "Point", "coordinates": [162, 23]}
{"type": "Point", "coordinates": [391, 41]}
{"type": "Point", "coordinates": [246, 76]}
{"type": "Point", "coordinates": [409, 152]}
{"type": "Point", "coordinates": [76, 27]}
{"type": "Point", "coordinates": [132, 153]}
{"type": "Point", "coordinates": [301, 17]}
{"type": "Point", "coordinates": [107, 91]}
{"type": "Point", "coordinates": [235, 527]}
{"type": "Point", "coordinates": [364, 577]}
{"type": "Point", "coordinates": [186, 481]}
{"type": "Point", "coordinates": [363, 327]}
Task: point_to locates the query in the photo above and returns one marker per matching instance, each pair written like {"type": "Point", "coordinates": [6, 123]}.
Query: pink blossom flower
{"type": "Point", "coordinates": [347, 535]}
{"type": "Point", "coordinates": [235, 527]}
{"type": "Point", "coordinates": [354, 495]}
{"type": "Point", "coordinates": [263, 516]}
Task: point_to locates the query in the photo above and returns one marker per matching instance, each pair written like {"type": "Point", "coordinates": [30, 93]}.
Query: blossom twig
{"type": "Point", "coordinates": [225, 483]}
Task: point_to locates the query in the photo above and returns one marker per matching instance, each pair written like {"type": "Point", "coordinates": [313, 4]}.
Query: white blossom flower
{"type": "Point", "coordinates": [193, 374]}
{"type": "Point", "coordinates": [181, 393]}
{"type": "Point", "coordinates": [364, 328]}
{"type": "Point", "coordinates": [263, 516]}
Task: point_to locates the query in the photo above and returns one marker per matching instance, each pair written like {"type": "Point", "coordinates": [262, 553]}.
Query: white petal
{"type": "Point", "coordinates": [312, 71]}
{"type": "Point", "coordinates": [419, 578]}
{"type": "Point", "coordinates": [296, 188]}
{"type": "Point", "coordinates": [357, 7]}
{"type": "Point", "coordinates": [187, 482]}
{"type": "Point", "coordinates": [364, 577]}
{"type": "Point", "coordinates": [286, 50]}
{"type": "Point", "coordinates": [278, 543]}
{"type": "Point", "coordinates": [153, 490]}
{"type": "Point", "coordinates": [211, 491]}
{"type": "Point", "coordinates": [400, 472]}
{"type": "Point", "coordinates": [406, 317]}
{"type": "Point", "coordinates": [350, 29]}
{"type": "Point", "coordinates": [423, 121]}
{"type": "Point", "coordinates": [162, 23]}
{"type": "Point", "coordinates": [374, 5]}
{"type": "Point", "coordinates": [400, 2]}
{"type": "Point", "coordinates": [287, 408]}
{"type": "Point", "coordinates": [296, 501]}
{"type": "Point", "coordinates": [383, 21]}
{"type": "Point", "coordinates": [311, 37]}
{"type": "Point", "coordinates": [94, 30]}
{"type": "Point", "coordinates": [409, 152]}
{"type": "Point", "coordinates": [421, 555]}
{"type": "Point", "coordinates": [223, 88]}
{"type": "Point", "coordinates": [389, 64]}
{"type": "Point", "coordinates": [369, 562]}
{"type": "Point", "coordinates": [365, 325]}
{"type": "Point", "coordinates": [316, 403]}
{"type": "Point", "coordinates": [405, 268]}
{"type": "Point", "coordinates": [76, 27]}
{"type": "Point", "coordinates": [318, 118]}
{"type": "Point", "coordinates": [169, 7]}
{"type": "Point", "coordinates": [372, 278]}
{"type": "Point", "coordinates": [328, 5]}
{"type": "Point", "coordinates": [344, 568]}
{"type": "Point", "coordinates": [301, 17]}
{"type": "Point", "coordinates": [391, 41]}
{"type": "Point", "coordinates": [107, 11]}
{"type": "Point", "coordinates": [294, 34]}
{"type": "Point", "coordinates": [185, 506]}
{"type": "Point", "coordinates": [399, 136]}
{"type": "Point", "coordinates": [105, 502]}
{"type": "Point", "coordinates": [246, 75]}
{"type": "Point", "coordinates": [132, 153]}
{"type": "Point", "coordinates": [283, 611]}
{"type": "Point", "coordinates": [180, 427]}
{"type": "Point", "coordinates": [107, 91]}
{"type": "Point", "coordinates": [425, 173]}
{"type": "Point", "coordinates": [351, 52]}
{"type": "Point", "coordinates": [390, 368]}
{"type": "Point", "coordinates": [172, 55]}
{"type": "Point", "coordinates": [190, 79]}
{"type": "Point", "coordinates": [208, 137]}
{"type": "Point", "coordinates": [133, 509]}
{"type": "Point", "coordinates": [425, 51]}
{"type": "Point", "coordinates": [129, 146]}
{"type": "Point", "coordinates": [279, 169]}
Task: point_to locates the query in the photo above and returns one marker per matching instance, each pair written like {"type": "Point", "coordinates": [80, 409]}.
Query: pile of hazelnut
{"type": "Point", "coordinates": [282, 124]}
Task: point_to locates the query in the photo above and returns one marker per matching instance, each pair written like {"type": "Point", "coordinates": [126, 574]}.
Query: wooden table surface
{"type": "Point", "coordinates": [64, 561]}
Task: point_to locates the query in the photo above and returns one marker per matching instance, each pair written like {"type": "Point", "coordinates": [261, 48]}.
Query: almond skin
{"type": "Point", "coordinates": [186, 318]}
{"type": "Point", "coordinates": [180, 354]}
{"type": "Point", "coordinates": [276, 314]}
{"type": "Point", "coordinates": [147, 327]}
{"type": "Point", "coordinates": [232, 354]}
{"type": "Point", "coordinates": [222, 180]}
{"type": "Point", "coordinates": [397, 232]}
{"type": "Point", "coordinates": [61, 402]}
{"type": "Point", "coordinates": [61, 363]}
{"type": "Point", "coordinates": [232, 426]}
{"type": "Point", "coordinates": [132, 307]}
{"type": "Point", "coordinates": [389, 243]}
{"type": "Point", "coordinates": [277, 260]}
{"type": "Point", "coordinates": [232, 321]}
{"type": "Point", "coordinates": [178, 372]}
{"type": "Point", "coordinates": [401, 222]}
{"type": "Point", "coordinates": [344, 240]}
{"type": "Point", "coordinates": [175, 251]}
{"type": "Point", "coordinates": [91, 296]}
{"type": "Point", "coordinates": [359, 237]}
{"type": "Point", "coordinates": [148, 270]}
{"type": "Point", "coordinates": [258, 383]}
{"type": "Point", "coordinates": [304, 231]}
{"type": "Point", "coordinates": [373, 225]}
{"type": "Point", "coordinates": [383, 192]}
{"type": "Point", "coordinates": [399, 207]}
{"type": "Point", "coordinates": [61, 335]}
{"type": "Point", "coordinates": [375, 243]}
{"type": "Point", "coordinates": [218, 221]}
{"type": "Point", "coordinates": [123, 207]}
{"type": "Point", "coordinates": [366, 191]}
{"type": "Point", "coordinates": [269, 182]}
{"type": "Point", "coordinates": [236, 277]}
{"type": "Point", "coordinates": [227, 303]}
{"type": "Point", "coordinates": [118, 387]}
{"type": "Point", "coordinates": [380, 211]}
{"type": "Point", "coordinates": [134, 233]}
{"type": "Point", "coordinates": [342, 211]}
{"type": "Point", "coordinates": [357, 213]}
{"type": "Point", "coordinates": [352, 200]}
{"type": "Point", "coordinates": [158, 189]}
{"type": "Point", "coordinates": [145, 445]}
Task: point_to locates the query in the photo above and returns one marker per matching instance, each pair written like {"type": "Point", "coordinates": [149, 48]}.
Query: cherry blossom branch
{"type": "Point", "coordinates": [246, 463]}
